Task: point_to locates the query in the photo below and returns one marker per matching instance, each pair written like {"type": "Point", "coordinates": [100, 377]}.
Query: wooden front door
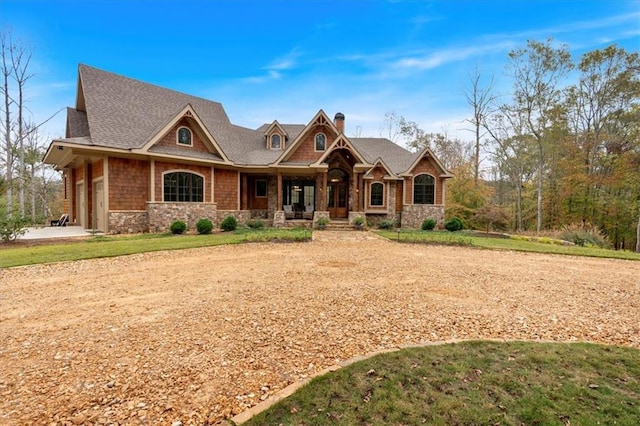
{"type": "Point", "coordinates": [337, 199]}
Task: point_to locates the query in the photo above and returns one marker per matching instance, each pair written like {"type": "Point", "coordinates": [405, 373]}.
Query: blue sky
{"type": "Point", "coordinates": [286, 59]}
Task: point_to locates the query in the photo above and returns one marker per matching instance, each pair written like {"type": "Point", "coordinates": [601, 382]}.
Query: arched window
{"type": "Point", "coordinates": [321, 142]}
{"type": "Point", "coordinates": [377, 194]}
{"type": "Point", "coordinates": [183, 187]}
{"type": "Point", "coordinates": [184, 136]}
{"type": "Point", "coordinates": [275, 141]}
{"type": "Point", "coordinates": [424, 189]}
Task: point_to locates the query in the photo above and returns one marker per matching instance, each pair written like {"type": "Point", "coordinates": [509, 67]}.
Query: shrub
{"type": "Point", "coordinates": [454, 224]}
{"type": "Point", "coordinates": [428, 224]}
{"type": "Point", "coordinates": [359, 222]}
{"type": "Point", "coordinates": [491, 218]}
{"type": "Point", "coordinates": [178, 227]}
{"type": "Point", "coordinates": [12, 227]}
{"type": "Point", "coordinates": [386, 224]}
{"type": "Point", "coordinates": [255, 224]}
{"type": "Point", "coordinates": [204, 226]}
{"type": "Point", "coordinates": [229, 223]}
{"type": "Point", "coordinates": [584, 235]}
{"type": "Point", "coordinates": [322, 222]}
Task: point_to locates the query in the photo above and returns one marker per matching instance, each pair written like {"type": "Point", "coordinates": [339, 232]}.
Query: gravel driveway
{"type": "Point", "coordinates": [199, 335]}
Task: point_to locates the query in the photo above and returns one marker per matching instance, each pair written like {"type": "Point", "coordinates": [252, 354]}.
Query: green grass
{"type": "Point", "coordinates": [479, 383]}
{"type": "Point", "coordinates": [466, 239]}
{"type": "Point", "coordinates": [110, 246]}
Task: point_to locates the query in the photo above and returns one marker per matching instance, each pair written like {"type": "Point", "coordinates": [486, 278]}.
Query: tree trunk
{"type": "Point", "coordinates": [540, 170]}
{"type": "Point", "coordinates": [8, 147]}
{"type": "Point", "coordinates": [638, 236]}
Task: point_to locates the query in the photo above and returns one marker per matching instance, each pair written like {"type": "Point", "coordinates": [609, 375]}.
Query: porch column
{"type": "Point", "coordinates": [279, 192]}
{"type": "Point", "coordinates": [323, 195]}
{"type": "Point", "coordinates": [244, 190]}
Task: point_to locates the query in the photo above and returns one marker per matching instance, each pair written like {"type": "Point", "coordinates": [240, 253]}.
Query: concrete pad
{"type": "Point", "coordinates": [56, 232]}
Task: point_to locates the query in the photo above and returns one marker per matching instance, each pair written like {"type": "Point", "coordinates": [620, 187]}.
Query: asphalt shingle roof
{"type": "Point", "coordinates": [396, 157]}
{"type": "Point", "coordinates": [125, 113]}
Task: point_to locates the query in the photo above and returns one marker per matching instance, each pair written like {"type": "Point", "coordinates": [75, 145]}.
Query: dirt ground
{"type": "Point", "coordinates": [195, 336]}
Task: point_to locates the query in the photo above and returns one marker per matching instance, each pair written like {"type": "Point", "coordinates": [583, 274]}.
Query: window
{"type": "Point", "coordinates": [423, 189]}
{"type": "Point", "coordinates": [321, 142]}
{"type": "Point", "coordinates": [183, 187]}
{"type": "Point", "coordinates": [377, 191]}
{"type": "Point", "coordinates": [261, 188]}
{"type": "Point", "coordinates": [275, 141]}
{"type": "Point", "coordinates": [184, 136]}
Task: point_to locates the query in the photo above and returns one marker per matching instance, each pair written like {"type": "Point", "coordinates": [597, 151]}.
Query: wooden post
{"type": "Point", "coordinates": [279, 190]}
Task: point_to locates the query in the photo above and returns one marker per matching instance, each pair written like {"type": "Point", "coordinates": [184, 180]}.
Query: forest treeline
{"type": "Point", "coordinates": [561, 149]}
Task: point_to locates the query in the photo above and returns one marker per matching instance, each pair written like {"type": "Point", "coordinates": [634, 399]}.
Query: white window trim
{"type": "Point", "coordinates": [314, 142]}
{"type": "Point", "coordinates": [178, 136]}
{"type": "Point", "coordinates": [413, 190]}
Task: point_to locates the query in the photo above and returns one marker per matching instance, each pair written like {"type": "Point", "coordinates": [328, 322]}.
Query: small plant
{"type": "Point", "coordinates": [359, 222]}
{"type": "Point", "coordinates": [12, 227]}
{"type": "Point", "coordinates": [255, 224]}
{"type": "Point", "coordinates": [204, 226]}
{"type": "Point", "coordinates": [229, 223]}
{"type": "Point", "coordinates": [322, 222]}
{"type": "Point", "coordinates": [454, 224]}
{"type": "Point", "coordinates": [386, 224]}
{"type": "Point", "coordinates": [178, 227]}
{"type": "Point", "coordinates": [428, 224]}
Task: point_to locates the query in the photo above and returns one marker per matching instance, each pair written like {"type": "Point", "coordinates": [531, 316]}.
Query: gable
{"type": "Point", "coordinates": [306, 150]}
{"type": "Point", "coordinates": [302, 148]}
{"type": "Point", "coordinates": [165, 141]}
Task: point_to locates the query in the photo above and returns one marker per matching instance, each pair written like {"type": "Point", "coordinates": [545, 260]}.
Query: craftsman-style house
{"type": "Point", "coordinates": [137, 157]}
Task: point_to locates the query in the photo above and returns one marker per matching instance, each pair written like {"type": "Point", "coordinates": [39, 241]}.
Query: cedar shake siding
{"type": "Point", "coordinates": [128, 184]}
{"type": "Point", "coordinates": [226, 189]}
{"type": "Point", "coordinates": [123, 137]}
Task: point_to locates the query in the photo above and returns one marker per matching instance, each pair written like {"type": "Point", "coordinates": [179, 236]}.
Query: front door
{"type": "Point", "coordinates": [338, 194]}
{"type": "Point", "coordinates": [98, 203]}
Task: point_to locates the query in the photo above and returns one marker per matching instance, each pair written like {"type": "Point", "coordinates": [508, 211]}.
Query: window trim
{"type": "Point", "coordinates": [279, 141]}
{"type": "Point", "coordinates": [413, 198]}
{"type": "Point", "coordinates": [188, 172]}
{"type": "Point", "coordinates": [382, 203]}
{"type": "Point", "coordinates": [266, 188]}
{"type": "Point", "coordinates": [178, 136]}
{"type": "Point", "coordinates": [315, 142]}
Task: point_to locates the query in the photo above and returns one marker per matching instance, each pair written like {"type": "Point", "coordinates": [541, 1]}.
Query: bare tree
{"type": "Point", "coordinates": [480, 100]}
{"type": "Point", "coordinates": [5, 47]}
{"type": "Point", "coordinates": [20, 59]}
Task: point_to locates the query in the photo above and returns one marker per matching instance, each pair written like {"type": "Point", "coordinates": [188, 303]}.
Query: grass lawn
{"type": "Point", "coordinates": [109, 246]}
{"type": "Point", "coordinates": [483, 383]}
{"type": "Point", "coordinates": [466, 239]}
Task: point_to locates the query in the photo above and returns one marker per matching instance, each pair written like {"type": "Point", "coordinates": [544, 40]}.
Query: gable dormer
{"type": "Point", "coordinates": [276, 137]}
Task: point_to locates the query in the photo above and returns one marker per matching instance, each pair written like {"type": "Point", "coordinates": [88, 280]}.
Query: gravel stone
{"type": "Point", "coordinates": [203, 334]}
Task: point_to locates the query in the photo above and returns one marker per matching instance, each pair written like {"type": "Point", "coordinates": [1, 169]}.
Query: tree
{"type": "Point", "coordinates": [20, 60]}
{"type": "Point", "coordinates": [480, 100]}
{"type": "Point", "coordinates": [537, 71]}
{"type": "Point", "coordinates": [5, 48]}
{"type": "Point", "coordinates": [513, 152]}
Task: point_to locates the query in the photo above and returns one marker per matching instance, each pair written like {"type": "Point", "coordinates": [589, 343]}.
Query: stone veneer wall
{"type": "Point", "coordinates": [414, 214]}
{"type": "Point", "coordinates": [278, 219]}
{"type": "Point", "coordinates": [242, 216]}
{"type": "Point", "coordinates": [128, 222]}
{"type": "Point", "coordinates": [162, 215]}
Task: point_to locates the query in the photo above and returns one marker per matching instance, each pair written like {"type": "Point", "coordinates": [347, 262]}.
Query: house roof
{"type": "Point", "coordinates": [395, 157]}
{"type": "Point", "coordinates": [117, 112]}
